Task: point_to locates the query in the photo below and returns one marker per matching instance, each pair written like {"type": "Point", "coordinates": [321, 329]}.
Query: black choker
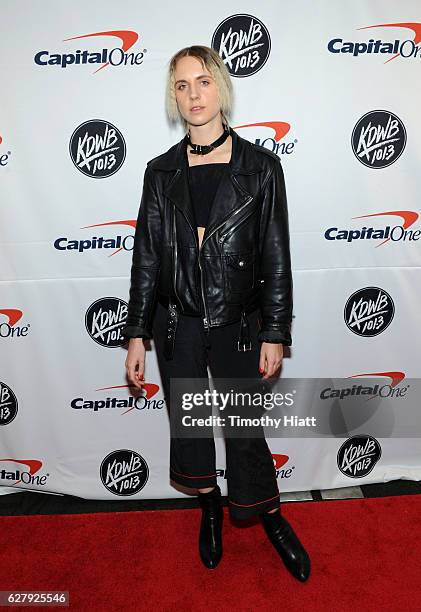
{"type": "Point", "coordinates": [203, 149]}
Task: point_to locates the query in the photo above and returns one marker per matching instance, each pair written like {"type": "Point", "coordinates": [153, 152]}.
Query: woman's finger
{"type": "Point", "coordinates": [132, 376]}
{"type": "Point", "coordinates": [262, 360]}
{"type": "Point", "coordinates": [131, 373]}
{"type": "Point", "coordinates": [141, 370]}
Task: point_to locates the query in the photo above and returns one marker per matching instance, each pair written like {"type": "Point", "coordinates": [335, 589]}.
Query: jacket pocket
{"type": "Point", "coordinates": [239, 271]}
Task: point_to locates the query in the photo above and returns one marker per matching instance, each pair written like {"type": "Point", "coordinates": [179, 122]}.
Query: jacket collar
{"type": "Point", "coordinates": [230, 195]}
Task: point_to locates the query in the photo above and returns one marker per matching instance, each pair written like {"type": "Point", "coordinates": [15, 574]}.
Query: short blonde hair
{"type": "Point", "coordinates": [212, 62]}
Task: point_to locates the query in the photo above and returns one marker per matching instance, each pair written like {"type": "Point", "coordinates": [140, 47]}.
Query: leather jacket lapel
{"type": "Point", "coordinates": [230, 195]}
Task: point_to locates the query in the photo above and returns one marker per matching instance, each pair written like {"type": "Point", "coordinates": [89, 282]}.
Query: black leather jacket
{"type": "Point", "coordinates": [243, 262]}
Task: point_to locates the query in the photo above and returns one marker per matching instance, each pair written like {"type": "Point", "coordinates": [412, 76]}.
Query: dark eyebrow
{"type": "Point", "coordinates": [198, 77]}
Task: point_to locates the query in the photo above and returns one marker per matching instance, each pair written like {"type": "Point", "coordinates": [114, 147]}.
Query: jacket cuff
{"type": "Point", "coordinates": [135, 331]}
{"type": "Point", "coordinates": [282, 335]}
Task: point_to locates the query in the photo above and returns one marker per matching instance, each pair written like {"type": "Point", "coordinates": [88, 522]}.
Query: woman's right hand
{"type": "Point", "coordinates": [136, 358]}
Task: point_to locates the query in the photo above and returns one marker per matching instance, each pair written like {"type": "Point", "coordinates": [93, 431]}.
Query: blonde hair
{"type": "Point", "coordinates": [210, 61]}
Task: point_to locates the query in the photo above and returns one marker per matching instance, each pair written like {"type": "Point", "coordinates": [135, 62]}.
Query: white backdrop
{"type": "Point", "coordinates": [342, 113]}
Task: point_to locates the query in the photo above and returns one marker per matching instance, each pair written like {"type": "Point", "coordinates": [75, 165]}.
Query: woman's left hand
{"type": "Point", "coordinates": [271, 356]}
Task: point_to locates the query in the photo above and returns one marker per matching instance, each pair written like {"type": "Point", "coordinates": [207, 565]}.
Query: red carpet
{"type": "Point", "coordinates": [365, 555]}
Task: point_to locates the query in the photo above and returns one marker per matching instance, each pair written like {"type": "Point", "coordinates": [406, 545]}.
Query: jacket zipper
{"type": "Point", "coordinates": [199, 250]}
{"type": "Point", "coordinates": [233, 229]}
{"type": "Point", "coordinates": [206, 318]}
{"type": "Point", "coordinates": [175, 259]}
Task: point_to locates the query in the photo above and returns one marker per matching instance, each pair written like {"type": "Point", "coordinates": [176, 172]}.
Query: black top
{"type": "Point", "coordinates": [204, 180]}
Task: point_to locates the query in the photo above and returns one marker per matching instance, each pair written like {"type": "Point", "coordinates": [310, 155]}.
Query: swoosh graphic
{"type": "Point", "coordinates": [409, 217]}
{"type": "Point", "coordinates": [131, 222]}
{"type": "Point", "coordinates": [415, 27]}
{"type": "Point", "coordinates": [281, 128]}
{"type": "Point", "coordinates": [13, 313]}
{"type": "Point", "coordinates": [395, 377]}
{"type": "Point", "coordinates": [279, 460]}
{"type": "Point", "coordinates": [127, 37]}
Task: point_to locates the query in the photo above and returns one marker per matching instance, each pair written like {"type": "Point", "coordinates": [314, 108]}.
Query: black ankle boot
{"type": "Point", "coordinates": [210, 537]}
{"type": "Point", "coordinates": [287, 544]}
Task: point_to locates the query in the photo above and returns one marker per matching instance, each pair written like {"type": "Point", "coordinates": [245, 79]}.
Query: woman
{"type": "Point", "coordinates": [211, 283]}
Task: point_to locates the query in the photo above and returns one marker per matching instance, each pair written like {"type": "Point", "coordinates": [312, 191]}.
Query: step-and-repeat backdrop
{"type": "Point", "coordinates": [333, 89]}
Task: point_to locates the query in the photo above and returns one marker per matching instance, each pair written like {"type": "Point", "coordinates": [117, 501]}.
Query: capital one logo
{"type": "Point", "coordinates": [110, 54]}
{"type": "Point", "coordinates": [367, 392]}
{"type": "Point", "coordinates": [243, 42]}
{"type": "Point", "coordinates": [408, 48]}
{"type": "Point", "coordinates": [9, 328]}
{"type": "Point", "coordinates": [118, 243]}
{"type": "Point", "coordinates": [273, 137]}
{"type": "Point", "coordinates": [144, 400]}
{"type": "Point", "coordinates": [403, 232]}
{"type": "Point", "coordinates": [22, 472]}
{"type": "Point", "coordinates": [279, 462]}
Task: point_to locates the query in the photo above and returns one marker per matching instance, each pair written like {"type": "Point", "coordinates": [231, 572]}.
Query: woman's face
{"type": "Point", "coordinates": [195, 87]}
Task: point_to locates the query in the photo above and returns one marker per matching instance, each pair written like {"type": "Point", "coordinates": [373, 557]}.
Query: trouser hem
{"type": "Point", "coordinates": [194, 481]}
{"type": "Point", "coordinates": [246, 511]}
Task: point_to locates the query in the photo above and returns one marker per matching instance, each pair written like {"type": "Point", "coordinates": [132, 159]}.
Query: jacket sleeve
{"type": "Point", "coordinates": [146, 261]}
{"type": "Point", "coordinates": [275, 261]}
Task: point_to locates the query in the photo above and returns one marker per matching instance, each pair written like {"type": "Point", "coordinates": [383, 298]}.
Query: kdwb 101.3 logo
{"type": "Point", "coordinates": [124, 472]}
{"type": "Point", "coordinates": [104, 320]}
{"type": "Point", "coordinates": [97, 148]}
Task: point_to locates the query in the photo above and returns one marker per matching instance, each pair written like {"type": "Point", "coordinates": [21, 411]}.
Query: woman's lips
{"type": "Point", "coordinates": [196, 109]}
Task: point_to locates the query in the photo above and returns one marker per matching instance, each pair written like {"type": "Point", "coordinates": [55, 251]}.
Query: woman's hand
{"type": "Point", "coordinates": [136, 357]}
{"type": "Point", "coordinates": [271, 356]}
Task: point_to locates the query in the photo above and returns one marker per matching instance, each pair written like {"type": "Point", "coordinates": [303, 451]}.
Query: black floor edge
{"type": "Point", "coordinates": [32, 503]}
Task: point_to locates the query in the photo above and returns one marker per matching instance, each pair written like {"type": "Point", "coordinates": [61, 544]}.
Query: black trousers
{"type": "Point", "coordinates": [250, 471]}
